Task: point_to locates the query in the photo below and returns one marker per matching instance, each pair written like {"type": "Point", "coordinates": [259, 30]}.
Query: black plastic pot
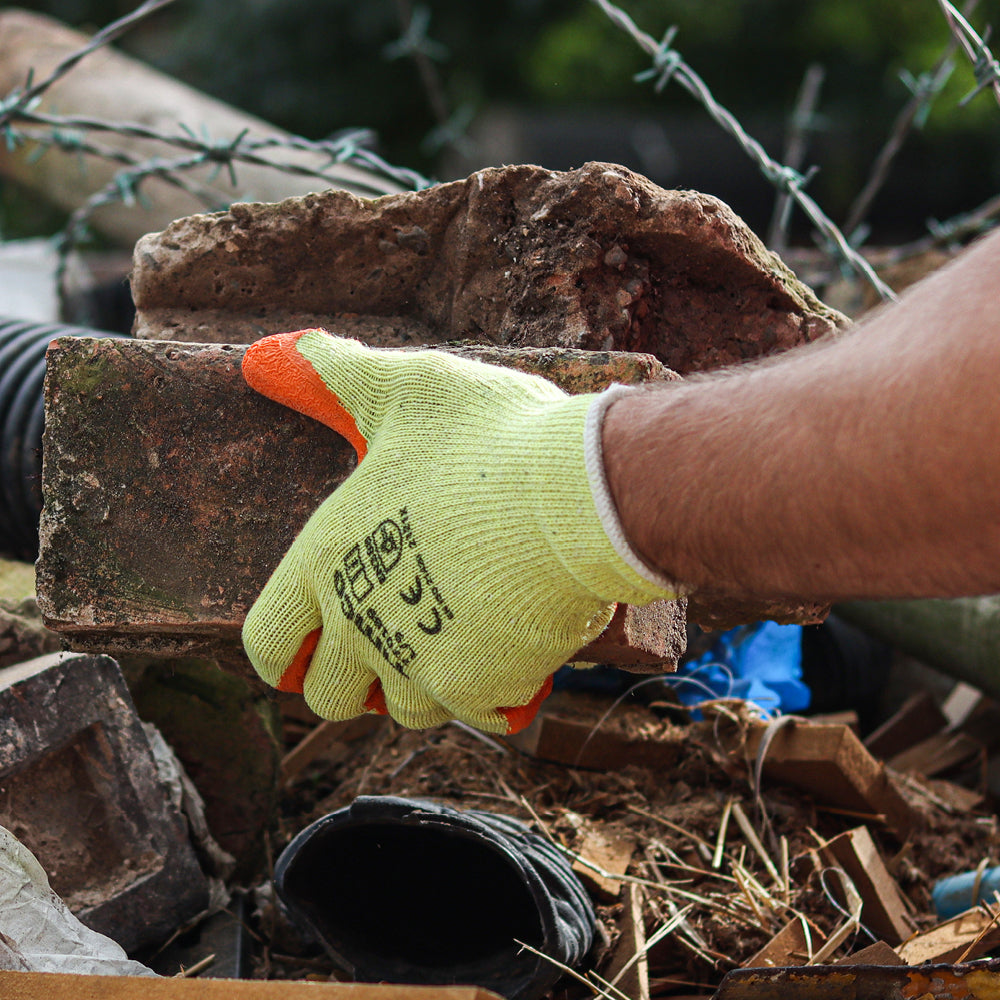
{"type": "Point", "coordinates": [408, 891]}
{"type": "Point", "coordinates": [22, 419]}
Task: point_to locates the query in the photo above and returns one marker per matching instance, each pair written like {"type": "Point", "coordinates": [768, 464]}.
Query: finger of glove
{"type": "Point", "coordinates": [338, 685]}
{"type": "Point", "coordinates": [521, 716]}
{"type": "Point", "coordinates": [474, 710]}
{"type": "Point", "coordinates": [410, 705]}
{"type": "Point", "coordinates": [282, 628]}
{"type": "Point", "coordinates": [276, 368]}
{"type": "Point", "coordinates": [343, 690]}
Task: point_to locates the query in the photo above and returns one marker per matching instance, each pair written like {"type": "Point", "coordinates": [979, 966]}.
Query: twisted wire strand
{"type": "Point", "coordinates": [668, 65]}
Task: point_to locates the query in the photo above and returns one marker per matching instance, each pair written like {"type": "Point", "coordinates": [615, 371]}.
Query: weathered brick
{"type": "Point", "coordinates": [172, 490]}
{"type": "Point", "coordinates": [80, 789]}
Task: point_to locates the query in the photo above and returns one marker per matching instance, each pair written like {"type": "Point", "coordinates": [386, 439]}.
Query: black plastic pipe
{"type": "Point", "coordinates": [410, 891]}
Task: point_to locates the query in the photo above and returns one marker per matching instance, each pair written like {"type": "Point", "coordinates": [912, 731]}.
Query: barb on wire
{"type": "Point", "coordinates": [666, 59]}
{"type": "Point", "coordinates": [985, 67]}
{"type": "Point", "coordinates": [27, 97]}
{"type": "Point", "coordinates": [453, 132]}
{"type": "Point", "coordinates": [414, 40]}
{"type": "Point", "coordinates": [451, 127]}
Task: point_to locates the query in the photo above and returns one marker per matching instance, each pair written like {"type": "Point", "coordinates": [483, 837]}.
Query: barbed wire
{"type": "Point", "coordinates": [804, 122]}
{"type": "Point", "coordinates": [21, 123]}
{"type": "Point", "coordinates": [985, 67]}
{"type": "Point", "coordinates": [668, 66]}
{"type": "Point", "coordinates": [23, 99]}
{"type": "Point", "coordinates": [924, 89]}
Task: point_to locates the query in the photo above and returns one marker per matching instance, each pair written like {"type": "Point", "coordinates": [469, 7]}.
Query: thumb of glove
{"type": "Point", "coordinates": [301, 380]}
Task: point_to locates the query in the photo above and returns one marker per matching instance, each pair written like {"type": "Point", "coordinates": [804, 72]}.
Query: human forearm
{"type": "Point", "coordinates": [866, 466]}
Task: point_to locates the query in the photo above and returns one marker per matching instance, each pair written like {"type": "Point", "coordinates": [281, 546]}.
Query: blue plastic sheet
{"type": "Point", "coordinates": [761, 663]}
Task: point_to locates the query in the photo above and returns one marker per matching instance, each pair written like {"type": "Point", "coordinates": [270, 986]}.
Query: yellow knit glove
{"type": "Point", "coordinates": [464, 560]}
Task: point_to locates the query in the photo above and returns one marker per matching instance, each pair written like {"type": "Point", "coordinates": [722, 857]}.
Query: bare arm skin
{"type": "Point", "coordinates": [865, 466]}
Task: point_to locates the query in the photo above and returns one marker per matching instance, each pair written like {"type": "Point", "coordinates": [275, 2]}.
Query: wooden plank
{"type": "Point", "coordinates": [324, 736]}
{"type": "Point", "coordinates": [885, 911]}
{"type": "Point", "coordinates": [788, 947]}
{"type": "Point", "coordinates": [878, 953]}
{"type": "Point", "coordinates": [937, 754]}
{"type": "Point", "coordinates": [558, 736]}
{"type": "Point", "coordinates": [966, 937]}
{"type": "Point", "coordinates": [917, 718]}
{"type": "Point", "coordinates": [63, 986]}
{"type": "Point", "coordinates": [832, 765]}
{"type": "Point", "coordinates": [628, 967]}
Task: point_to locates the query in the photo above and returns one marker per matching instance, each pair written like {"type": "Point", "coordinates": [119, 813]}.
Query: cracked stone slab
{"type": "Point", "coordinates": [597, 258]}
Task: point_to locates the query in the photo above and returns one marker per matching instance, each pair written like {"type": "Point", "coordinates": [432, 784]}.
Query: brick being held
{"type": "Point", "coordinates": [173, 490]}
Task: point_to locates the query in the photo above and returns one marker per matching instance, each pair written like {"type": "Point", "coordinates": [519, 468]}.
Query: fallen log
{"type": "Point", "coordinates": [116, 88]}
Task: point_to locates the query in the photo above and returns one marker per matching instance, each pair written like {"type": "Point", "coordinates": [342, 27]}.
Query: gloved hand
{"type": "Point", "coordinates": [463, 561]}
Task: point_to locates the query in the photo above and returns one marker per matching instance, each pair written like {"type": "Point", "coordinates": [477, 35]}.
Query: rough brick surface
{"type": "Point", "coordinates": [596, 258]}
{"type": "Point", "coordinates": [82, 792]}
{"type": "Point", "coordinates": [172, 491]}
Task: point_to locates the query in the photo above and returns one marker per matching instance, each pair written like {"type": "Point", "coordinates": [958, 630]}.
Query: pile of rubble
{"type": "Point", "coordinates": [706, 841]}
{"type": "Point", "coordinates": [705, 846]}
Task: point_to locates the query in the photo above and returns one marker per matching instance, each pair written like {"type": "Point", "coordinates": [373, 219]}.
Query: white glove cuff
{"type": "Point", "coordinates": [593, 453]}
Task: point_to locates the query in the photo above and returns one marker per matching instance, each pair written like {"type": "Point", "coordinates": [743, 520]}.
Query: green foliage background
{"type": "Point", "coordinates": [318, 66]}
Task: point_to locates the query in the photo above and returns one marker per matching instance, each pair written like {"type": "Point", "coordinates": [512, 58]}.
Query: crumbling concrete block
{"type": "Point", "coordinates": [597, 258]}
{"type": "Point", "coordinates": [172, 490]}
{"type": "Point", "coordinates": [80, 789]}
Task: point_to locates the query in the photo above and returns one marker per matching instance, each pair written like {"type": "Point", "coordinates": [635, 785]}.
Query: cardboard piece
{"type": "Point", "coordinates": [607, 851]}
